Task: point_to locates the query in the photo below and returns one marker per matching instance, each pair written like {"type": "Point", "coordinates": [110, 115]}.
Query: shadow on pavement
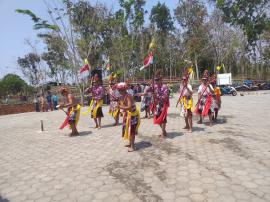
{"type": "Point", "coordinates": [172, 135]}
{"type": "Point", "coordinates": [142, 145]}
{"type": "Point", "coordinates": [197, 129]}
{"type": "Point", "coordinates": [84, 133]}
{"type": "Point", "coordinates": [3, 199]}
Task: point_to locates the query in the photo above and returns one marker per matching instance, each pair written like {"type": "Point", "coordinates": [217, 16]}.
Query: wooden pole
{"type": "Point", "coordinates": [41, 125]}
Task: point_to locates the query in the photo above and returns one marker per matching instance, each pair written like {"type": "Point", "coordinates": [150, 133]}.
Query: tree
{"type": "Point", "coordinates": [29, 67]}
{"type": "Point", "coordinates": [55, 56]}
{"type": "Point", "coordinates": [191, 15]}
{"type": "Point", "coordinates": [161, 17]}
{"type": "Point", "coordinates": [252, 16]}
{"type": "Point", "coordinates": [12, 84]}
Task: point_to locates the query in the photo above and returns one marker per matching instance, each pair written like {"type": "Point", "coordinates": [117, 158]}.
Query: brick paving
{"type": "Point", "coordinates": [227, 162]}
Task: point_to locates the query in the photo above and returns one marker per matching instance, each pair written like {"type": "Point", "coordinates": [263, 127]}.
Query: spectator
{"type": "Point", "coordinates": [49, 101]}
{"type": "Point", "coordinates": [42, 103]}
{"type": "Point", "coordinates": [36, 104]}
{"type": "Point", "coordinates": [55, 101]}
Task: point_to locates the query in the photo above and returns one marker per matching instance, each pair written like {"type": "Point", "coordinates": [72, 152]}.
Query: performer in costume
{"type": "Point", "coordinates": [131, 116]}
{"type": "Point", "coordinates": [186, 101]}
{"type": "Point", "coordinates": [216, 98]}
{"type": "Point", "coordinates": [95, 107]}
{"type": "Point", "coordinates": [204, 105]}
{"type": "Point", "coordinates": [73, 112]}
{"type": "Point", "coordinates": [146, 101]}
{"type": "Point", "coordinates": [114, 110]}
{"type": "Point", "coordinates": [161, 103]}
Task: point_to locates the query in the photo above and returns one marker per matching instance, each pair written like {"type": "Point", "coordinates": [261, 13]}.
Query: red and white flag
{"type": "Point", "coordinates": [147, 61]}
{"type": "Point", "coordinates": [84, 70]}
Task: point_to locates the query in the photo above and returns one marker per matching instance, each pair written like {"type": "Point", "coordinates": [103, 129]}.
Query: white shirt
{"type": "Point", "coordinates": [205, 91]}
{"type": "Point", "coordinates": [186, 91]}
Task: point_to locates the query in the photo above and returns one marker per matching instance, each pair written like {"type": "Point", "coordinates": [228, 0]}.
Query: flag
{"type": "Point", "coordinates": [85, 69]}
{"type": "Point", "coordinates": [152, 44]}
{"type": "Point", "coordinates": [147, 61]}
{"type": "Point", "coordinates": [218, 68]}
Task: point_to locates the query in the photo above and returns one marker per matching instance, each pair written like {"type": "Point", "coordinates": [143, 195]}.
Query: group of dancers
{"type": "Point", "coordinates": [155, 102]}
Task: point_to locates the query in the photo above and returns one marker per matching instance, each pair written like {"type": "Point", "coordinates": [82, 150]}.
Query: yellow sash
{"type": "Point", "coordinates": [129, 115]}
{"type": "Point", "coordinates": [94, 111]}
{"type": "Point", "coordinates": [187, 105]}
{"type": "Point", "coordinates": [114, 113]}
{"type": "Point", "coordinates": [78, 109]}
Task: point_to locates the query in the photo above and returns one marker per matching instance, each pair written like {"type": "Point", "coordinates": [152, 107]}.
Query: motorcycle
{"type": "Point", "coordinates": [228, 90]}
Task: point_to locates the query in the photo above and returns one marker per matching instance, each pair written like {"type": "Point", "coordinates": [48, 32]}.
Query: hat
{"type": "Point", "coordinates": [122, 86]}
{"type": "Point", "coordinates": [63, 90]}
{"type": "Point", "coordinates": [158, 75]}
{"type": "Point", "coordinates": [205, 75]}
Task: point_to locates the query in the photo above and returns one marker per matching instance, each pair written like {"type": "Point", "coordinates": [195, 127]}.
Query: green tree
{"type": "Point", "coordinates": [252, 16]}
{"type": "Point", "coordinates": [12, 84]}
{"type": "Point", "coordinates": [161, 17]}
{"type": "Point", "coordinates": [30, 67]}
{"type": "Point", "coordinates": [191, 15]}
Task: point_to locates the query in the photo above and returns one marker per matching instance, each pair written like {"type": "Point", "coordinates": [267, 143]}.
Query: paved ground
{"type": "Point", "coordinates": [227, 162]}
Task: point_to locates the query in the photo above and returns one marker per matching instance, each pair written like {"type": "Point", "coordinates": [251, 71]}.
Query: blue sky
{"type": "Point", "coordinates": [15, 28]}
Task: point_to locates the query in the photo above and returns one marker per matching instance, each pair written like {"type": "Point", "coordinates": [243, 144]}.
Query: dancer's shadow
{"type": "Point", "coordinates": [3, 199]}
{"type": "Point", "coordinates": [84, 133]}
{"type": "Point", "coordinates": [172, 135]}
{"type": "Point", "coordinates": [142, 145]}
{"type": "Point", "coordinates": [198, 129]}
{"type": "Point", "coordinates": [110, 125]}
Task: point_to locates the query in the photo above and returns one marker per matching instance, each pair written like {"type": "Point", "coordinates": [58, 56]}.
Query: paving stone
{"type": "Point", "coordinates": [226, 162]}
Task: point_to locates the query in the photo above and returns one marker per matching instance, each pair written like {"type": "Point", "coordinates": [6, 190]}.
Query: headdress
{"type": "Point", "coordinates": [122, 86]}
{"type": "Point", "coordinates": [158, 75]}
{"type": "Point", "coordinates": [205, 75]}
{"type": "Point", "coordinates": [63, 90]}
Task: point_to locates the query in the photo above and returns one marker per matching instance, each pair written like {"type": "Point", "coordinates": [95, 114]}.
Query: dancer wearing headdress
{"type": "Point", "coordinates": [204, 105]}
{"type": "Point", "coordinates": [114, 110]}
{"type": "Point", "coordinates": [186, 101]}
{"type": "Point", "coordinates": [131, 116]}
{"type": "Point", "coordinates": [73, 111]}
{"type": "Point", "coordinates": [98, 93]}
{"type": "Point", "coordinates": [161, 103]}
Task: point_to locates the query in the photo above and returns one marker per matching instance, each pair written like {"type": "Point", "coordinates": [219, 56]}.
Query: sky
{"type": "Point", "coordinates": [16, 28]}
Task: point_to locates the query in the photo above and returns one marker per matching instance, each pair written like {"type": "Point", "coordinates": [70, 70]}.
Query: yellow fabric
{"type": "Point", "coordinates": [114, 113]}
{"type": "Point", "coordinates": [94, 111]}
{"type": "Point", "coordinates": [129, 115]}
{"type": "Point", "coordinates": [187, 104]}
{"type": "Point", "coordinates": [78, 109]}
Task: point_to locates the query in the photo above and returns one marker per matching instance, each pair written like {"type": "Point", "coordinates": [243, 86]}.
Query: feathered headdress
{"type": "Point", "coordinates": [205, 75]}
{"type": "Point", "coordinates": [158, 74]}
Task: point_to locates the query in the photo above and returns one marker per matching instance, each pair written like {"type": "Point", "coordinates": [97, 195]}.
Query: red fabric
{"type": "Point", "coordinates": [65, 123]}
{"type": "Point", "coordinates": [148, 59]}
{"type": "Point", "coordinates": [162, 116]}
{"type": "Point", "coordinates": [84, 68]}
{"type": "Point", "coordinates": [207, 105]}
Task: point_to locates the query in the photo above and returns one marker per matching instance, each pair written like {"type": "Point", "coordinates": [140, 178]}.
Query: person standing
{"type": "Point", "coordinates": [55, 101]}
{"type": "Point", "coordinates": [131, 116]}
{"type": "Point", "coordinates": [49, 101]}
{"type": "Point", "coordinates": [95, 107]}
{"type": "Point", "coordinates": [204, 105]}
{"type": "Point", "coordinates": [186, 101]}
{"type": "Point", "coordinates": [161, 103]}
{"type": "Point", "coordinates": [36, 104]}
{"type": "Point", "coordinates": [146, 101]}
